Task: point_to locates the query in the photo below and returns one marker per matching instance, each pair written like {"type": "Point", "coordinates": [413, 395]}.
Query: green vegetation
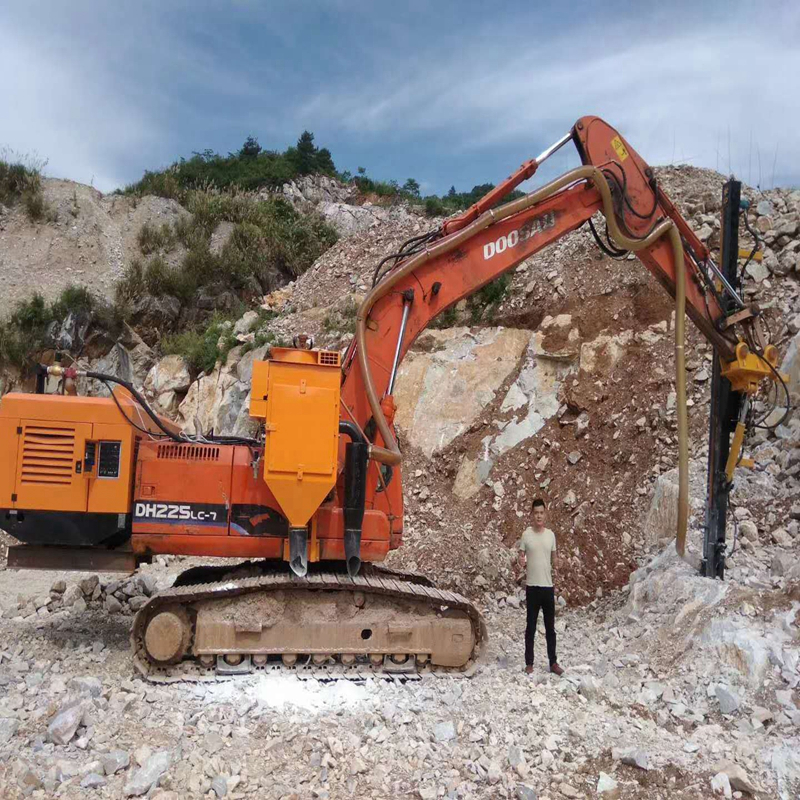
{"type": "Point", "coordinates": [342, 319]}
{"type": "Point", "coordinates": [484, 303]}
{"type": "Point", "coordinates": [250, 168]}
{"type": "Point", "coordinates": [269, 241]}
{"type": "Point", "coordinates": [152, 238]}
{"type": "Point", "coordinates": [454, 201]}
{"type": "Point", "coordinates": [21, 180]}
{"type": "Point", "coordinates": [447, 319]}
{"type": "Point", "coordinates": [202, 349]}
{"type": "Point", "coordinates": [29, 328]}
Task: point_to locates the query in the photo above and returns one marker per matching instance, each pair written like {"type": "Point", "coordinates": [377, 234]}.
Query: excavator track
{"type": "Point", "coordinates": [218, 622]}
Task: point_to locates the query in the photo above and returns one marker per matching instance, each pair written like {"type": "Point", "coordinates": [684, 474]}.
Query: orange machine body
{"type": "Point", "coordinates": [77, 473]}
{"type": "Point", "coordinates": [66, 473]}
{"type": "Point", "coordinates": [197, 499]}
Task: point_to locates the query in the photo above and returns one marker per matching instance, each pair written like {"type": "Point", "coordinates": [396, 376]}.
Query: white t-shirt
{"type": "Point", "coordinates": [538, 548]}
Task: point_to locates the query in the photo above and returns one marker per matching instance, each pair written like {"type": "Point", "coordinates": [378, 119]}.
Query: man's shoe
{"type": "Point", "coordinates": [556, 670]}
{"type": "Point", "coordinates": [529, 669]}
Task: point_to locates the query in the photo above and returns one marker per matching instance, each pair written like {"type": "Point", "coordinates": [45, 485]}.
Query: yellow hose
{"type": "Point", "coordinates": [390, 454]}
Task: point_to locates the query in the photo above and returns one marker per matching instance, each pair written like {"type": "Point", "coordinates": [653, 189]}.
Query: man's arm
{"type": "Point", "coordinates": [556, 558]}
{"type": "Point", "coordinates": [518, 564]}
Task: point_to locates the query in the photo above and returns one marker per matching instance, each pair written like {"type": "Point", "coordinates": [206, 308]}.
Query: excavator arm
{"type": "Point", "coordinates": [484, 242]}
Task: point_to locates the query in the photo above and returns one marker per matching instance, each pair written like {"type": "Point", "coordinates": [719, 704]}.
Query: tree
{"type": "Point", "coordinates": [325, 161]}
{"type": "Point", "coordinates": [452, 192]}
{"type": "Point", "coordinates": [251, 148]}
{"type": "Point", "coordinates": [362, 171]}
{"type": "Point", "coordinates": [306, 153]}
{"type": "Point", "coordinates": [411, 187]}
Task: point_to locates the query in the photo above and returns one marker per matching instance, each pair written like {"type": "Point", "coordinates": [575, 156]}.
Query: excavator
{"type": "Point", "coordinates": [314, 502]}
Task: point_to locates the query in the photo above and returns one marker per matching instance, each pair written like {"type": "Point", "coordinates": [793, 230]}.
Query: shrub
{"type": "Point", "coordinates": [20, 178]}
{"type": "Point", "coordinates": [152, 238]}
{"type": "Point", "coordinates": [434, 207]}
{"type": "Point", "coordinates": [35, 206]}
{"type": "Point", "coordinates": [447, 319]}
{"type": "Point", "coordinates": [13, 346]}
{"type": "Point", "coordinates": [131, 284]}
{"type": "Point", "coordinates": [202, 349]}
{"type": "Point", "coordinates": [484, 302]}
{"type": "Point", "coordinates": [32, 316]}
{"type": "Point", "coordinates": [74, 299]}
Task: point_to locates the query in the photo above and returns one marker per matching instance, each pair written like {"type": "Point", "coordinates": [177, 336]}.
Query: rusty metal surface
{"type": "Point", "coordinates": [425, 607]}
{"type": "Point", "coordinates": [78, 559]}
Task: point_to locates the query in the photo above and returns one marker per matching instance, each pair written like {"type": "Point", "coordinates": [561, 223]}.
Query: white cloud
{"type": "Point", "coordinates": [106, 90]}
{"type": "Point", "coordinates": [672, 92]}
{"type": "Point", "coordinates": [74, 119]}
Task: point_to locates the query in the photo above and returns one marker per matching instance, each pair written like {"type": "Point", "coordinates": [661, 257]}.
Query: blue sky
{"type": "Point", "coordinates": [445, 92]}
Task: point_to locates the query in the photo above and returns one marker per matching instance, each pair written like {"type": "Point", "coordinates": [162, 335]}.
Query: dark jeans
{"type": "Point", "coordinates": [543, 597]}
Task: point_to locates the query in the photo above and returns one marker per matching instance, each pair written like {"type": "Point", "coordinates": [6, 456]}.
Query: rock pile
{"type": "Point", "coordinates": [115, 596]}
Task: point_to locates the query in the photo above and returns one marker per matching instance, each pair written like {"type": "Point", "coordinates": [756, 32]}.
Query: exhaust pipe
{"type": "Point", "coordinates": [355, 491]}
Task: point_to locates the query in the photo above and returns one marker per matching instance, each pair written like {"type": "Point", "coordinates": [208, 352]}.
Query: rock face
{"type": "Point", "coordinates": [219, 401]}
{"type": "Point", "coordinates": [170, 374]}
{"type": "Point", "coordinates": [449, 378]}
{"type": "Point", "coordinates": [791, 366]}
{"type": "Point", "coordinates": [604, 352]}
{"type": "Point", "coordinates": [533, 397]}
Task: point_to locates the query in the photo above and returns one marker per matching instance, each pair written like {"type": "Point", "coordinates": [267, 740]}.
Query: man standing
{"type": "Point", "coordinates": [539, 546]}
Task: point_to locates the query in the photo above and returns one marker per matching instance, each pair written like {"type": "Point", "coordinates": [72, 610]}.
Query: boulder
{"type": "Point", "coordinates": [602, 354]}
{"type": "Point", "coordinates": [607, 786]}
{"type": "Point", "coordinates": [791, 367]}
{"type": "Point", "coordinates": [8, 727]}
{"type": "Point", "coordinates": [88, 686]}
{"type": "Point", "coordinates": [738, 778]}
{"type": "Point", "coordinates": [155, 315]}
{"type": "Point", "coordinates": [244, 369]}
{"type": "Point", "coordinates": [444, 732]}
{"type": "Point", "coordinates": [148, 775]}
{"type": "Point", "coordinates": [246, 323]}
{"type": "Point", "coordinates": [115, 761]}
{"type": "Point", "coordinates": [728, 701]}
{"type": "Point", "coordinates": [661, 522]}
{"type": "Point", "coordinates": [65, 724]}
{"type": "Point", "coordinates": [199, 409]}
{"type": "Point", "coordinates": [170, 374]}
{"type": "Point", "coordinates": [590, 688]}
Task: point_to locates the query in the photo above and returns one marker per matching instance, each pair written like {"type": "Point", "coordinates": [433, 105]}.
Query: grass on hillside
{"type": "Point", "coordinates": [21, 181]}
{"type": "Point", "coordinates": [269, 241]}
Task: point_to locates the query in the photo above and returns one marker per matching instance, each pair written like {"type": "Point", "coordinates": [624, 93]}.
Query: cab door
{"type": "Point", "coordinates": [50, 459]}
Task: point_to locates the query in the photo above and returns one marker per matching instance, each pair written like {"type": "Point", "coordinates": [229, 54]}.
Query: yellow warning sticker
{"type": "Point", "coordinates": [622, 151]}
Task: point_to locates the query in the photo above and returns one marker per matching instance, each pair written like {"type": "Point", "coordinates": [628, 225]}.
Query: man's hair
{"type": "Point", "coordinates": [539, 502]}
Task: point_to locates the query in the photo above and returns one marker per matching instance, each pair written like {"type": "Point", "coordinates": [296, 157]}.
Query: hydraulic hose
{"type": "Point", "coordinates": [99, 376]}
{"type": "Point", "coordinates": [390, 452]}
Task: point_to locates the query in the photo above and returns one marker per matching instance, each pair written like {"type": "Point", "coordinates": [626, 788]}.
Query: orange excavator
{"type": "Point", "coordinates": [315, 501]}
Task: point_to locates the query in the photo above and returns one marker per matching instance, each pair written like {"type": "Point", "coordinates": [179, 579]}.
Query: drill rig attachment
{"type": "Point", "coordinates": [733, 385]}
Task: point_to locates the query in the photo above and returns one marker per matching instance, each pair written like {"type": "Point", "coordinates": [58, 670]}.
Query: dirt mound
{"type": "Point", "coordinates": [91, 239]}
